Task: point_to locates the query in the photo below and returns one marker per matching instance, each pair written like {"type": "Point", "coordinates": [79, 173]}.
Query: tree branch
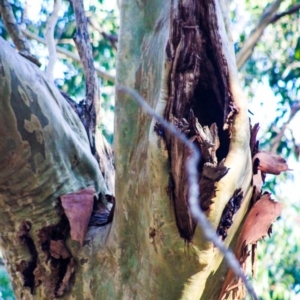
{"type": "Point", "coordinates": [92, 100]}
{"type": "Point", "coordinates": [290, 11]}
{"type": "Point", "coordinates": [113, 39]}
{"type": "Point", "coordinates": [275, 143]}
{"type": "Point", "coordinates": [292, 66]}
{"type": "Point", "coordinates": [194, 193]}
{"type": "Point", "coordinates": [269, 16]}
{"type": "Point", "coordinates": [68, 54]}
{"type": "Point", "coordinates": [16, 34]}
{"type": "Point", "coordinates": [50, 39]}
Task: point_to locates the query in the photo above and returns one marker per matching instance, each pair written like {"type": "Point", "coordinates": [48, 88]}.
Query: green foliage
{"type": "Point", "coordinates": [274, 69]}
{"type": "Point", "coordinates": [6, 292]}
{"type": "Point", "coordinates": [275, 58]}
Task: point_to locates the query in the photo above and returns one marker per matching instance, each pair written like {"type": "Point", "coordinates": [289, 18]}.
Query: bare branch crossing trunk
{"type": "Point", "coordinates": [179, 57]}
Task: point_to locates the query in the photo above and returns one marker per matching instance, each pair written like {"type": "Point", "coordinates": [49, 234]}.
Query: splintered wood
{"type": "Point", "coordinates": [199, 104]}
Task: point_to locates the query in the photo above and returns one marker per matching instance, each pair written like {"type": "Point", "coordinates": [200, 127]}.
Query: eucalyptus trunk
{"type": "Point", "coordinates": [179, 56]}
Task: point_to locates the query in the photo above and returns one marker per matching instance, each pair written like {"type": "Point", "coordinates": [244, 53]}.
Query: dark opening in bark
{"type": "Point", "coordinates": [27, 268]}
{"type": "Point", "coordinates": [199, 104]}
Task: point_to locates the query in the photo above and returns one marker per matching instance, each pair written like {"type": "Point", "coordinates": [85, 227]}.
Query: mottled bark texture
{"type": "Point", "coordinates": [194, 85]}
{"type": "Point", "coordinates": [44, 154]}
{"type": "Point", "coordinates": [178, 56]}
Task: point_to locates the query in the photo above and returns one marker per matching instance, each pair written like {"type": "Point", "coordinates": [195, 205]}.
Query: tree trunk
{"type": "Point", "coordinates": [152, 249]}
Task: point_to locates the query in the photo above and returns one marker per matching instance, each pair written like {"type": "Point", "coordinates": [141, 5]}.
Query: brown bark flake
{"type": "Point", "coordinates": [257, 225]}
{"type": "Point", "coordinates": [78, 208]}
{"type": "Point", "coordinates": [270, 163]}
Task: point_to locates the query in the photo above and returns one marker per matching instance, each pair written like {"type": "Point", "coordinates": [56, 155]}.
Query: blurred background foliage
{"type": "Point", "coordinates": [270, 78]}
{"type": "Point", "coordinates": [6, 292]}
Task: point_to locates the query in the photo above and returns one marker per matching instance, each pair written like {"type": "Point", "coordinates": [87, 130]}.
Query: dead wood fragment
{"type": "Point", "coordinates": [179, 194]}
{"type": "Point", "coordinates": [254, 143]}
{"type": "Point", "coordinates": [64, 285]}
{"type": "Point", "coordinates": [52, 242]}
{"type": "Point", "coordinates": [210, 174]}
{"type": "Point", "coordinates": [230, 209]}
{"type": "Point", "coordinates": [212, 171]}
{"type": "Point", "coordinates": [199, 104]}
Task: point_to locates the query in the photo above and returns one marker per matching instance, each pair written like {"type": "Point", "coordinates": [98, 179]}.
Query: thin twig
{"type": "Point", "coordinates": [68, 54]}
{"type": "Point", "coordinates": [290, 11]}
{"type": "Point", "coordinates": [275, 142]}
{"type": "Point", "coordinates": [15, 32]}
{"type": "Point", "coordinates": [194, 193]}
{"type": "Point", "coordinates": [52, 20]}
{"type": "Point", "coordinates": [92, 100]}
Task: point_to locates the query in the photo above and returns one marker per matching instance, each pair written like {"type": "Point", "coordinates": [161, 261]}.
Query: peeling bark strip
{"type": "Point", "coordinates": [78, 208]}
{"type": "Point", "coordinates": [199, 103]}
{"type": "Point", "coordinates": [257, 225]}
